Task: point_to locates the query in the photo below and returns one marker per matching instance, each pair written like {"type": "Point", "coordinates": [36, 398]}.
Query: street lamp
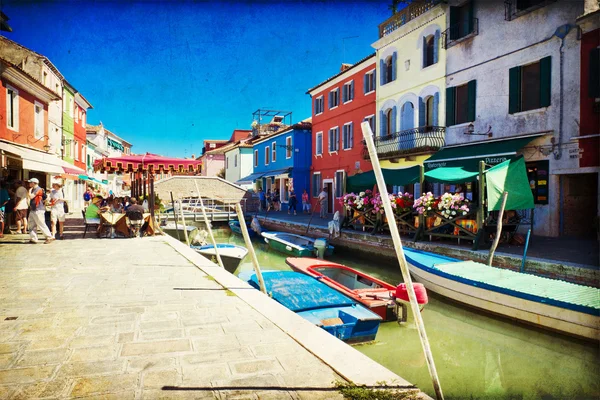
{"type": "Point", "coordinates": [471, 131]}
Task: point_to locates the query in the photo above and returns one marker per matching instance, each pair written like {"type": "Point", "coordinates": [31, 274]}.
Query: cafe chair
{"type": "Point", "coordinates": [93, 225]}
{"type": "Point", "coordinates": [136, 221]}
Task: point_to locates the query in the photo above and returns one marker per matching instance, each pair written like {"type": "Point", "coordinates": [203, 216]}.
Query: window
{"type": "Point", "coordinates": [274, 151]}
{"type": "Point", "coordinates": [288, 147]}
{"type": "Point", "coordinates": [529, 86]}
{"type": "Point", "coordinates": [389, 120]}
{"type": "Point", "coordinates": [371, 120]}
{"type": "Point", "coordinates": [319, 105]}
{"type": "Point", "coordinates": [340, 183]}
{"type": "Point", "coordinates": [319, 144]}
{"type": "Point", "coordinates": [77, 114]}
{"type": "Point", "coordinates": [38, 120]}
{"type": "Point", "coordinates": [12, 108]}
{"type": "Point", "coordinates": [348, 92]}
{"type": "Point", "coordinates": [369, 82]}
{"type": "Point", "coordinates": [334, 98]}
{"type": "Point", "coordinates": [316, 184]}
{"type": "Point", "coordinates": [76, 148]}
{"type": "Point", "coordinates": [267, 150]}
{"type": "Point", "coordinates": [462, 22]}
{"type": "Point", "coordinates": [348, 136]}
{"type": "Point", "coordinates": [429, 111]}
{"type": "Point", "coordinates": [71, 108]}
{"type": "Point", "coordinates": [428, 47]}
{"type": "Point", "coordinates": [83, 151]}
{"type": "Point", "coordinates": [89, 161]}
{"type": "Point", "coordinates": [388, 69]}
{"type": "Point", "coordinates": [226, 162]}
{"type": "Point", "coordinates": [235, 160]}
{"type": "Point", "coordinates": [255, 158]}
{"type": "Point", "coordinates": [44, 78]}
{"type": "Point", "coordinates": [594, 74]}
{"type": "Point", "coordinates": [460, 103]}
{"type": "Point", "coordinates": [334, 139]}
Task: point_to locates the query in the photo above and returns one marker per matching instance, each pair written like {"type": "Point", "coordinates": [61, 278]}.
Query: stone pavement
{"type": "Point", "coordinates": [134, 318]}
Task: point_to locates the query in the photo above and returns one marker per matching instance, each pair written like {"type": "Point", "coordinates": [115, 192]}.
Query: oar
{"type": "Point", "coordinates": [311, 217]}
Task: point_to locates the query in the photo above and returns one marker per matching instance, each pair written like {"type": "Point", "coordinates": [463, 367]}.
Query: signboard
{"type": "Point", "coordinates": [538, 174]}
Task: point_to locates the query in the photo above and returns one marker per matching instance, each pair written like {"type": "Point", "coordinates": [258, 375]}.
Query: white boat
{"type": "Point", "coordinates": [548, 303]}
{"type": "Point", "coordinates": [231, 254]}
{"type": "Point", "coordinates": [295, 245]}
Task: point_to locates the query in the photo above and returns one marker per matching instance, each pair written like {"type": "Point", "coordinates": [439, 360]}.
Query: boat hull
{"type": "Point", "coordinates": [235, 228]}
{"type": "Point", "coordinates": [231, 259]}
{"type": "Point", "coordinates": [550, 317]}
{"type": "Point", "coordinates": [303, 246]}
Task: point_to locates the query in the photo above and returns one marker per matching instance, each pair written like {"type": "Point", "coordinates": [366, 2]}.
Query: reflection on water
{"type": "Point", "coordinates": [476, 355]}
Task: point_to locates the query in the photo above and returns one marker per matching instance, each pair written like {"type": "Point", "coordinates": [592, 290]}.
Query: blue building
{"type": "Point", "coordinates": [282, 161]}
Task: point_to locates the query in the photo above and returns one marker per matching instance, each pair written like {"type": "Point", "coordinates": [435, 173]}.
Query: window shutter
{"type": "Point", "coordinates": [450, 106]}
{"type": "Point", "coordinates": [422, 121]}
{"type": "Point", "coordinates": [436, 106]}
{"type": "Point", "coordinates": [351, 135]}
{"type": "Point", "coordinates": [365, 78]}
{"type": "Point", "coordinates": [344, 93]}
{"type": "Point", "coordinates": [352, 90]}
{"type": "Point", "coordinates": [373, 79]}
{"type": "Point", "coordinates": [436, 46]}
{"type": "Point", "coordinates": [545, 81]}
{"type": "Point", "coordinates": [594, 78]}
{"type": "Point", "coordinates": [471, 16]}
{"type": "Point", "coordinates": [394, 62]}
{"type": "Point", "coordinates": [383, 123]}
{"type": "Point", "coordinates": [514, 90]}
{"type": "Point", "coordinates": [454, 20]}
{"type": "Point", "coordinates": [381, 72]}
{"type": "Point", "coordinates": [393, 123]}
{"type": "Point", "coordinates": [472, 96]}
{"type": "Point", "coordinates": [424, 62]}
{"type": "Point", "coordinates": [337, 139]}
{"type": "Point", "coordinates": [330, 97]}
{"type": "Point", "coordinates": [316, 106]}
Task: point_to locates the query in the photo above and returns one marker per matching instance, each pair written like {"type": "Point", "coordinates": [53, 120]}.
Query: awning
{"type": "Point", "coordinates": [35, 160]}
{"type": "Point", "coordinates": [511, 177]}
{"type": "Point", "coordinates": [276, 172]}
{"type": "Point", "coordinates": [450, 175]}
{"type": "Point", "coordinates": [250, 178]}
{"type": "Point", "coordinates": [393, 177]}
{"type": "Point", "coordinates": [467, 156]}
{"type": "Point", "coordinates": [73, 170]}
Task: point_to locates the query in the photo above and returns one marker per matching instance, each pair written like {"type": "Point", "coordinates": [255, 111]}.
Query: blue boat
{"type": "Point", "coordinates": [235, 228]}
{"type": "Point", "coordinates": [316, 302]}
{"type": "Point", "coordinates": [231, 254]}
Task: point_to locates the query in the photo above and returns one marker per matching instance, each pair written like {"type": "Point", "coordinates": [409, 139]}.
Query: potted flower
{"type": "Point", "coordinates": [425, 204]}
{"type": "Point", "coordinates": [453, 205]}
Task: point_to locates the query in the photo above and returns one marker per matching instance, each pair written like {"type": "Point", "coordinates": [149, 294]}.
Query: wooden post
{"type": "Point", "coordinates": [208, 227]}
{"type": "Point", "coordinates": [498, 229]}
{"type": "Point", "coordinates": [368, 136]}
{"type": "Point", "coordinates": [187, 240]}
{"type": "Point", "coordinates": [175, 217]}
{"type": "Point", "coordinates": [481, 209]}
{"type": "Point", "coordinates": [151, 202]}
{"type": "Point", "coordinates": [244, 229]}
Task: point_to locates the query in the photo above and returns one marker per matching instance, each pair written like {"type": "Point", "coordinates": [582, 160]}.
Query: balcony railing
{"type": "Point", "coordinates": [414, 141]}
{"type": "Point", "coordinates": [459, 32]}
{"type": "Point", "coordinates": [410, 12]}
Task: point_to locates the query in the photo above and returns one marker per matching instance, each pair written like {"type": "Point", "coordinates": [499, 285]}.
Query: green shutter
{"type": "Point", "coordinates": [471, 16]}
{"type": "Point", "coordinates": [454, 22]}
{"type": "Point", "coordinates": [514, 90]}
{"type": "Point", "coordinates": [472, 93]}
{"type": "Point", "coordinates": [450, 106]}
{"type": "Point", "coordinates": [594, 78]}
{"type": "Point", "coordinates": [545, 81]}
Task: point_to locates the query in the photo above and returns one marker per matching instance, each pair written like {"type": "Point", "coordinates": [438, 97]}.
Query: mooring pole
{"type": "Point", "coordinates": [240, 214]}
{"type": "Point", "coordinates": [525, 251]}
{"type": "Point", "coordinates": [368, 135]}
{"type": "Point", "coordinates": [498, 230]}
{"type": "Point", "coordinates": [187, 240]}
{"type": "Point", "coordinates": [175, 217]}
{"type": "Point", "coordinates": [208, 227]}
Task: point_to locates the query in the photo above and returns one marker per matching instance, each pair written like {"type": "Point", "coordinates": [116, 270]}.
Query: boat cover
{"type": "Point", "coordinates": [299, 292]}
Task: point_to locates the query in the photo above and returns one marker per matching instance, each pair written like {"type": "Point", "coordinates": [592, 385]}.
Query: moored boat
{"type": "Point", "coordinates": [316, 302]}
{"type": "Point", "coordinates": [231, 254]}
{"type": "Point", "coordinates": [547, 303]}
{"type": "Point", "coordinates": [235, 228]}
{"type": "Point", "coordinates": [380, 297]}
{"type": "Point", "coordinates": [295, 245]}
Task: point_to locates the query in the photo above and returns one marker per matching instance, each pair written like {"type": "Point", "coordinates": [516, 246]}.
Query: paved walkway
{"type": "Point", "coordinates": [129, 318]}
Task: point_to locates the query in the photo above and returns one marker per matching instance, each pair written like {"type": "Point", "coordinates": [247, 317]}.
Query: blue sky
{"type": "Point", "coordinates": [167, 75]}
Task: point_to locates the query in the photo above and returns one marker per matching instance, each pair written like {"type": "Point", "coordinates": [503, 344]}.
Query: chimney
{"type": "Point", "coordinates": [193, 156]}
{"type": "Point", "coordinates": [345, 67]}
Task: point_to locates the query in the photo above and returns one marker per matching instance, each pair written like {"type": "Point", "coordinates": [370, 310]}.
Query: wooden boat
{"type": "Point", "coordinates": [231, 254]}
{"type": "Point", "coordinates": [235, 228]}
{"type": "Point", "coordinates": [171, 230]}
{"type": "Point", "coordinates": [294, 245]}
{"type": "Point", "coordinates": [316, 302]}
{"type": "Point", "coordinates": [548, 303]}
{"type": "Point", "coordinates": [375, 294]}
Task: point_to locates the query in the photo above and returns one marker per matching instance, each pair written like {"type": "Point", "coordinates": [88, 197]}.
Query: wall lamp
{"type": "Point", "coordinates": [288, 147]}
{"type": "Point", "coordinates": [471, 131]}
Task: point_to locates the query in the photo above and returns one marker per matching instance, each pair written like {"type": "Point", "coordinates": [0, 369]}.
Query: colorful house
{"type": "Point", "coordinates": [282, 161]}
{"type": "Point", "coordinates": [239, 163]}
{"type": "Point", "coordinates": [340, 105]}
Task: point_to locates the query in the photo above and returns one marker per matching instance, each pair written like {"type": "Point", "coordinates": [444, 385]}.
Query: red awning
{"type": "Point", "coordinates": [147, 162]}
{"type": "Point", "coordinates": [73, 170]}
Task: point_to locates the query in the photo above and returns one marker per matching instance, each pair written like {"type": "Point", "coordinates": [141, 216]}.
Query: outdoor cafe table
{"type": "Point", "coordinates": [118, 222]}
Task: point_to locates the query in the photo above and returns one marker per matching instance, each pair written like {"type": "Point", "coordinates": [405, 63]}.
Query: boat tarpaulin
{"type": "Point", "coordinates": [467, 156]}
{"type": "Point", "coordinates": [509, 176]}
{"type": "Point", "coordinates": [394, 177]}
{"type": "Point", "coordinates": [450, 175]}
{"type": "Point", "coordinates": [250, 178]}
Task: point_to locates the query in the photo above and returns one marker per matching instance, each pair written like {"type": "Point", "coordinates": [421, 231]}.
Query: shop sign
{"type": "Point", "coordinates": [14, 163]}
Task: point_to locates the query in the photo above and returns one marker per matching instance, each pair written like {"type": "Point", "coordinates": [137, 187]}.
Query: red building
{"type": "Point", "coordinates": [339, 106]}
{"type": "Point", "coordinates": [79, 129]}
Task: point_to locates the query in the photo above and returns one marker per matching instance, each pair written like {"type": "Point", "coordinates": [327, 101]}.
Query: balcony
{"type": "Point", "coordinates": [460, 32]}
{"type": "Point", "coordinates": [410, 142]}
{"type": "Point", "coordinates": [408, 13]}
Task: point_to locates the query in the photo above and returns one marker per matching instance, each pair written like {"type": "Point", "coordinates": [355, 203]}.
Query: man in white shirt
{"type": "Point", "coordinates": [57, 212]}
{"type": "Point", "coordinates": [21, 207]}
{"type": "Point", "coordinates": [37, 213]}
{"type": "Point", "coordinates": [323, 203]}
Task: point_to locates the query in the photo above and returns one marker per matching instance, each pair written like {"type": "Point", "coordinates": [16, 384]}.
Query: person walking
{"type": "Point", "coordinates": [57, 210]}
{"type": "Point", "coordinates": [323, 203]}
{"type": "Point", "coordinates": [269, 200]}
{"type": "Point", "coordinates": [38, 212]}
{"type": "Point", "coordinates": [276, 200]}
{"type": "Point", "coordinates": [21, 206]}
{"type": "Point", "coordinates": [293, 202]}
{"type": "Point", "coordinates": [305, 202]}
{"type": "Point", "coordinates": [262, 200]}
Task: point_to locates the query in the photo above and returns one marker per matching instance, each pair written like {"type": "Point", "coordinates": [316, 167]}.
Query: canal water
{"type": "Point", "coordinates": [477, 356]}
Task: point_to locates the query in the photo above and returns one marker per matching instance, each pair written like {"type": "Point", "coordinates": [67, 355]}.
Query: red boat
{"type": "Point", "coordinates": [379, 296]}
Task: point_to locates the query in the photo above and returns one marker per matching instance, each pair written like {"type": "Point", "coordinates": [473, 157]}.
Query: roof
{"type": "Point", "coordinates": [41, 56]}
{"type": "Point", "coordinates": [341, 73]}
{"type": "Point", "coordinates": [96, 129]}
{"type": "Point", "coordinates": [298, 126]}
{"type": "Point", "coordinates": [31, 78]}
{"type": "Point", "coordinates": [239, 134]}
{"type": "Point", "coordinates": [221, 150]}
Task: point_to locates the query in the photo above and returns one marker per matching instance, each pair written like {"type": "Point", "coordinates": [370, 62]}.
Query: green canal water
{"type": "Point", "coordinates": [477, 356]}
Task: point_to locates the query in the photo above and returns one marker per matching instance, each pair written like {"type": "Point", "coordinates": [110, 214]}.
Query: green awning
{"type": "Point", "coordinates": [467, 156]}
{"type": "Point", "coordinates": [450, 175]}
{"type": "Point", "coordinates": [392, 177]}
{"type": "Point", "coordinates": [83, 177]}
{"type": "Point", "coordinates": [509, 176]}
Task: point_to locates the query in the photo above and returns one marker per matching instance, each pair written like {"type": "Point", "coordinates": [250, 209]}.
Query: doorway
{"type": "Point", "coordinates": [580, 205]}
{"type": "Point", "coordinates": [329, 185]}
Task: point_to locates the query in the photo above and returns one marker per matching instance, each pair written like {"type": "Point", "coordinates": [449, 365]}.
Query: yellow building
{"type": "Point", "coordinates": [411, 64]}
